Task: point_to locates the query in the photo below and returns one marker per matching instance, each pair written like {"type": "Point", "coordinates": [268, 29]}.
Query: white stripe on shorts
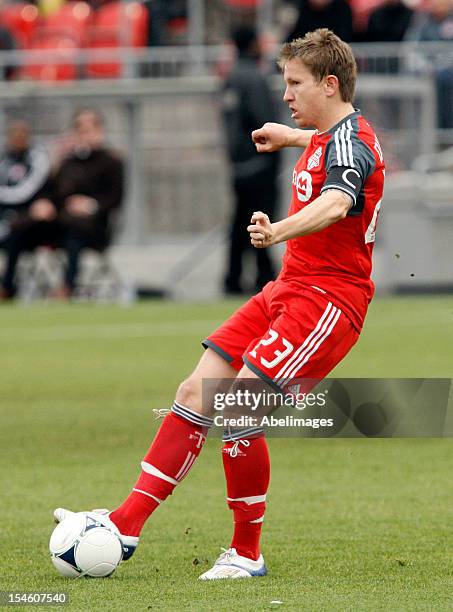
{"type": "Point", "coordinates": [282, 373]}
{"type": "Point", "coordinates": [330, 324]}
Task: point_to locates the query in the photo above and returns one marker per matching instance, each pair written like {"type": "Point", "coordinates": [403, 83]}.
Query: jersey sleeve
{"type": "Point", "coordinates": [349, 162]}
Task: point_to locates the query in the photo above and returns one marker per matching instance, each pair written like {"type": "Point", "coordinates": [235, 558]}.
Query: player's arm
{"type": "Point", "coordinates": [331, 206]}
{"type": "Point", "coordinates": [275, 136]}
{"type": "Point", "coordinates": [346, 171]}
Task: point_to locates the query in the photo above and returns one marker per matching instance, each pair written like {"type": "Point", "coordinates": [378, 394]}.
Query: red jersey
{"type": "Point", "coordinates": [337, 260]}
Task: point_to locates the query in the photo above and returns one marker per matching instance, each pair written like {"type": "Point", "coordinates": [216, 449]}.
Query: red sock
{"type": "Point", "coordinates": [173, 452]}
{"type": "Point", "coordinates": [247, 475]}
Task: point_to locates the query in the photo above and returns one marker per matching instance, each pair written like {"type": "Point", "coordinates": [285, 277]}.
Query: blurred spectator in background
{"type": "Point", "coordinates": [435, 24]}
{"type": "Point", "coordinates": [158, 14]}
{"type": "Point", "coordinates": [389, 22]}
{"type": "Point", "coordinates": [25, 219]}
{"type": "Point", "coordinates": [164, 16]}
{"type": "Point", "coordinates": [247, 104]}
{"type": "Point", "coordinates": [76, 206]}
{"type": "Point", "coordinates": [88, 191]}
{"type": "Point", "coordinates": [333, 14]}
{"type": "Point", "coordinates": [7, 43]}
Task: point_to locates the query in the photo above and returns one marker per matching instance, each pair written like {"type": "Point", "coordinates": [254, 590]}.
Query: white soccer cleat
{"type": "Point", "coordinates": [130, 543]}
{"type": "Point", "coordinates": [59, 514]}
{"type": "Point", "coordinates": [232, 565]}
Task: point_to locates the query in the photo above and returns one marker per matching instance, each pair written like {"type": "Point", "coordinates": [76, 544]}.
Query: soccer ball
{"type": "Point", "coordinates": [83, 544]}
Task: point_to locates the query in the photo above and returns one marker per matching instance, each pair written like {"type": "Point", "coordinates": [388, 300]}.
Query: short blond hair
{"type": "Point", "coordinates": [324, 53]}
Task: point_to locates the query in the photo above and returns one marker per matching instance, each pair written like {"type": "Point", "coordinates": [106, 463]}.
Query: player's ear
{"type": "Point", "coordinates": [331, 85]}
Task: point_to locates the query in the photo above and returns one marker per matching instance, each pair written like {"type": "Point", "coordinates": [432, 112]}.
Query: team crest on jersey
{"type": "Point", "coordinates": [303, 183]}
{"type": "Point", "coordinates": [314, 160]}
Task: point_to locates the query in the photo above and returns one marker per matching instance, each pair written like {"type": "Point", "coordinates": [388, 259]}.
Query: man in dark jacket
{"type": "Point", "coordinates": [389, 22]}
{"type": "Point", "coordinates": [247, 103]}
{"type": "Point", "coordinates": [88, 189]}
{"type": "Point", "coordinates": [333, 14]}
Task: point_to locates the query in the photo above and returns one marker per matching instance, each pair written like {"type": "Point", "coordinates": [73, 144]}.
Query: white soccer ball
{"type": "Point", "coordinates": [85, 545]}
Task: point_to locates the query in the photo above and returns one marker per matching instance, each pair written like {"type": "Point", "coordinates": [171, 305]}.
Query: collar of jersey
{"type": "Point", "coordinates": [337, 125]}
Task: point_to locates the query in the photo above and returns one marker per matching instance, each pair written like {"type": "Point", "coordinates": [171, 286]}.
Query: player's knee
{"type": "Point", "coordinates": [189, 394]}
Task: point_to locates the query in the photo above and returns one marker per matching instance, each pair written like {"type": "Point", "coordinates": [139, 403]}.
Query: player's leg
{"type": "Point", "coordinates": [244, 453]}
{"type": "Point", "coordinates": [246, 464]}
{"type": "Point", "coordinates": [181, 436]}
{"type": "Point", "coordinates": [305, 341]}
{"type": "Point", "coordinates": [247, 471]}
{"type": "Point", "coordinates": [175, 447]}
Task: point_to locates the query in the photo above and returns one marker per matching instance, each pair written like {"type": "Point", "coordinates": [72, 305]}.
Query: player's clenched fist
{"type": "Point", "coordinates": [261, 230]}
{"type": "Point", "coordinates": [271, 137]}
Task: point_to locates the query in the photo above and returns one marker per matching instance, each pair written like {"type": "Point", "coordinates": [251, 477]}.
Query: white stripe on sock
{"type": "Point", "coordinates": [253, 499]}
{"type": "Point", "coordinates": [184, 465]}
{"type": "Point", "coordinates": [159, 501]}
{"type": "Point", "coordinates": [190, 415]}
{"type": "Point", "coordinates": [186, 471]}
{"type": "Point", "coordinates": [242, 433]}
{"type": "Point", "coordinates": [150, 469]}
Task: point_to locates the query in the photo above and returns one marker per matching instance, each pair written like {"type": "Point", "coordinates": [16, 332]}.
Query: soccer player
{"type": "Point", "coordinates": [302, 324]}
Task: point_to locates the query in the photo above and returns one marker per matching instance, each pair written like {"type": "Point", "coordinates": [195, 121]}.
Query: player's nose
{"type": "Point", "coordinates": [287, 96]}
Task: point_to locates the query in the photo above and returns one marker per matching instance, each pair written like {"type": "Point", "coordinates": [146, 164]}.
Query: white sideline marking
{"type": "Point", "coordinates": [111, 331]}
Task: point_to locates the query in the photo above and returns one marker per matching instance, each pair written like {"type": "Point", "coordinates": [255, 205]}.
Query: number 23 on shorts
{"type": "Point", "coordinates": [279, 349]}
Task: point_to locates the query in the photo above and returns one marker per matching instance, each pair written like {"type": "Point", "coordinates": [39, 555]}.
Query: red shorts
{"type": "Point", "coordinates": [285, 333]}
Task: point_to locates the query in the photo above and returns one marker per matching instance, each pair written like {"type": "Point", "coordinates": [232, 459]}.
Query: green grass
{"type": "Point", "coordinates": [351, 524]}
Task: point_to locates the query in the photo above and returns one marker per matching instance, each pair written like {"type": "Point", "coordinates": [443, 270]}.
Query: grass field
{"type": "Point", "coordinates": [351, 524]}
